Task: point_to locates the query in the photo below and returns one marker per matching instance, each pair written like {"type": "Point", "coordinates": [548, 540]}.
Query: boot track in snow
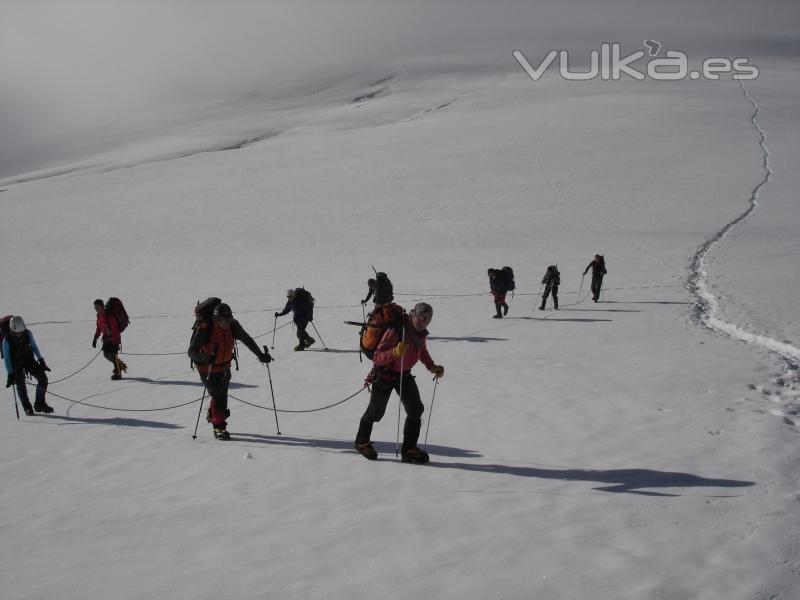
{"type": "Point", "coordinates": [707, 310]}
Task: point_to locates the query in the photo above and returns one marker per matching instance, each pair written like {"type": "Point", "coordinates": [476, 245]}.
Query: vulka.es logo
{"type": "Point", "coordinates": [609, 64]}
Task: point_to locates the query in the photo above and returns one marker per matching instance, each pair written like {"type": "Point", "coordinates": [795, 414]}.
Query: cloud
{"type": "Point", "coordinates": [69, 66]}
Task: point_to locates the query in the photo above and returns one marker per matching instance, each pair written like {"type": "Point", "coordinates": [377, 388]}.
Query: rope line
{"type": "Point", "coordinates": [83, 403]}
{"type": "Point", "coordinates": [285, 410]}
{"type": "Point", "coordinates": [79, 370]}
{"type": "Point", "coordinates": [145, 410]}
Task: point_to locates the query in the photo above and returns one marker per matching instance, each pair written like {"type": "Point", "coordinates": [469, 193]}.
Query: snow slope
{"type": "Point", "coordinates": [611, 450]}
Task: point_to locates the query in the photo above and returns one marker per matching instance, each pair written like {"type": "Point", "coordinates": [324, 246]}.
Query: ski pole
{"type": "Point", "coordinates": [211, 359]}
{"type": "Point", "coordinates": [271, 391]}
{"type": "Point", "coordinates": [430, 412]}
{"type": "Point", "coordinates": [16, 406]}
{"type": "Point", "coordinates": [580, 288]}
{"type": "Point", "coordinates": [400, 392]}
{"type": "Point", "coordinates": [274, 327]}
{"type": "Point", "coordinates": [318, 335]}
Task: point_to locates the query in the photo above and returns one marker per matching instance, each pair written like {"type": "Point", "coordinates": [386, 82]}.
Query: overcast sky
{"type": "Point", "coordinates": [68, 66]}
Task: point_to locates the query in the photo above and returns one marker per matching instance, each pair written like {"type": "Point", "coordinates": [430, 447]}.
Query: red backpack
{"type": "Point", "coordinates": [114, 307]}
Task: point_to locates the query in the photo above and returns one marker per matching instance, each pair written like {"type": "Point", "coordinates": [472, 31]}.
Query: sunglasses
{"type": "Point", "coordinates": [424, 318]}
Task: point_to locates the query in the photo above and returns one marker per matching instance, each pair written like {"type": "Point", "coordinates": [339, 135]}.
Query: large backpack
{"type": "Point", "coordinates": [204, 311]}
{"type": "Point", "coordinates": [508, 277]}
{"type": "Point", "coordinates": [555, 278]}
{"type": "Point", "coordinates": [382, 318]}
{"type": "Point", "coordinates": [384, 291]}
{"type": "Point", "coordinates": [4, 331]}
{"type": "Point", "coordinates": [114, 307]}
{"type": "Point", "coordinates": [304, 301]}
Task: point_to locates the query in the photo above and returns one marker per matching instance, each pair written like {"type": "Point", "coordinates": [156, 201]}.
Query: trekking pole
{"type": "Point", "coordinates": [400, 403]}
{"type": "Point", "coordinates": [16, 406]}
{"type": "Point", "coordinates": [274, 327]}
{"type": "Point", "coordinates": [539, 295]}
{"type": "Point", "coordinates": [430, 412]}
{"type": "Point", "coordinates": [318, 335]}
{"type": "Point", "coordinates": [211, 359]}
{"type": "Point", "coordinates": [271, 391]}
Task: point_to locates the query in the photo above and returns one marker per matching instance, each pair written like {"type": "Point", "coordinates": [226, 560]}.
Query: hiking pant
{"type": "Point", "coordinates": [33, 369]}
{"type": "Point", "coordinates": [302, 336]}
{"type": "Point", "coordinates": [597, 284]}
{"type": "Point", "coordinates": [500, 302]}
{"type": "Point", "coordinates": [217, 388]}
{"type": "Point", "coordinates": [547, 290]}
{"type": "Point", "coordinates": [110, 351]}
{"type": "Point", "coordinates": [378, 400]}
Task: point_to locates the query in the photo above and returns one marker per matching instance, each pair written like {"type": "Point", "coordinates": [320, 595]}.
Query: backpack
{"type": "Point", "coordinates": [204, 311]}
{"type": "Point", "coordinates": [304, 301]}
{"type": "Point", "coordinates": [384, 292]}
{"type": "Point", "coordinates": [555, 276]}
{"type": "Point", "coordinates": [382, 318]}
{"type": "Point", "coordinates": [508, 276]}
{"type": "Point", "coordinates": [114, 307]}
{"type": "Point", "coordinates": [4, 331]}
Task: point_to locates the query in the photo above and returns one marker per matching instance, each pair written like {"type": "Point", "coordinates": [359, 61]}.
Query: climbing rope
{"type": "Point", "coordinates": [283, 410]}
{"type": "Point", "coordinates": [78, 371]}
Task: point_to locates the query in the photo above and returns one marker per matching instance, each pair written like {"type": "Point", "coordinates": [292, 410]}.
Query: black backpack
{"type": "Point", "coordinates": [114, 307]}
{"type": "Point", "coordinates": [384, 292]}
{"type": "Point", "coordinates": [508, 277]}
{"type": "Point", "coordinates": [555, 276]}
{"type": "Point", "coordinates": [304, 301]}
{"type": "Point", "coordinates": [204, 311]}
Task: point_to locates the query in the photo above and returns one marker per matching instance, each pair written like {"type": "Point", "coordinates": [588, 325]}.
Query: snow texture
{"type": "Point", "coordinates": [641, 447]}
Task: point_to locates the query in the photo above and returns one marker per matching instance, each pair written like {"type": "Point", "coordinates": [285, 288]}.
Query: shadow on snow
{"type": "Point", "coordinates": [115, 421]}
{"type": "Point", "coordinates": [631, 481]}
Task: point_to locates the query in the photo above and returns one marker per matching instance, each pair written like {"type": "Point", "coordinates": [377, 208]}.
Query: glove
{"type": "Point", "coordinates": [12, 379]}
{"type": "Point", "coordinates": [400, 349]}
{"type": "Point", "coordinates": [265, 358]}
{"type": "Point", "coordinates": [363, 302]}
{"type": "Point", "coordinates": [438, 371]}
{"type": "Point", "coordinates": [94, 342]}
{"type": "Point", "coordinates": [203, 359]}
{"type": "Point", "coordinates": [43, 365]}
{"type": "Point", "coordinates": [277, 315]}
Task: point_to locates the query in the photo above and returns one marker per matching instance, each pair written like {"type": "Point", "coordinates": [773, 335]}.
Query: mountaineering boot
{"type": "Point", "coordinates": [366, 449]}
{"type": "Point", "coordinates": [309, 341]}
{"type": "Point", "coordinates": [541, 307]}
{"type": "Point", "coordinates": [505, 309]}
{"type": "Point", "coordinates": [27, 408]}
{"type": "Point", "coordinates": [498, 315]}
{"type": "Point", "coordinates": [221, 434]}
{"type": "Point", "coordinates": [300, 347]}
{"type": "Point", "coordinates": [42, 407]}
{"type": "Point", "coordinates": [415, 456]}
{"type": "Point", "coordinates": [116, 376]}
